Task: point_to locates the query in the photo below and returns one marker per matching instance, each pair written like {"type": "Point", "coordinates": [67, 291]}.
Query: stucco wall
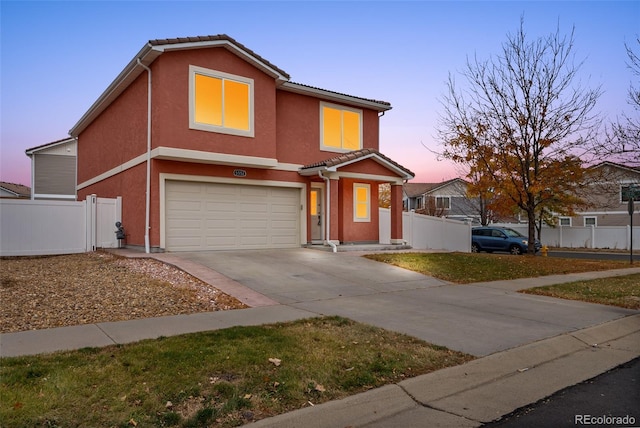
{"type": "Point", "coordinates": [118, 135]}
{"type": "Point", "coordinates": [171, 102]}
{"type": "Point", "coordinates": [298, 129]}
{"type": "Point", "coordinates": [350, 230]}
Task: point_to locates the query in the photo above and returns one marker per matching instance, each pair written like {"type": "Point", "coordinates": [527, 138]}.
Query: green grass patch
{"type": "Point", "coordinates": [465, 268]}
{"type": "Point", "coordinates": [222, 378]}
{"type": "Point", "coordinates": [623, 291]}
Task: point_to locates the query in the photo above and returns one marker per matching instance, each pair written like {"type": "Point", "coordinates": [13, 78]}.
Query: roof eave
{"type": "Point", "coordinates": [278, 75]}
{"type": "Point", "coordinates": [33, 150]}
{"type": "Point", "coordinates": [334, 96]}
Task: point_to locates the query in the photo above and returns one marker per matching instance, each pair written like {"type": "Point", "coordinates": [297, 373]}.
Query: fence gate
{"type": "Point", "coordinates": [46, 227]}
{"type": "Point", "coordinates": [108, 212]}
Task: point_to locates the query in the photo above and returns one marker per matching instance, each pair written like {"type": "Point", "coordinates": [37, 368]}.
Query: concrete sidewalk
{"type": "Point", "coordinates": [482, 390]}
{"type": "Point", "coordinates": [508, 376]}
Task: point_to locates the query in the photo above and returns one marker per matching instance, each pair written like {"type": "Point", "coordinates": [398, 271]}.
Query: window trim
{"type": "Point", "coordinates": [341, 108]}
{"type": "Point", "coordinates": [628, 185]}
{"type": "Point", "coordinates": [193, 70]}
{"type": "Point", "coordinates": [560, 219]}
{"type": "Point", "coordinates": [595, 221]}
{"type": "Point", "coordinates": [367, 187]}
{"type": "Point", "coordinates": [448, 198]}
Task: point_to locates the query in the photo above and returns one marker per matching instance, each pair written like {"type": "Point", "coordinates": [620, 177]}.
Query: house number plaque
{"type": "Point", "coordinates": [239, 173]}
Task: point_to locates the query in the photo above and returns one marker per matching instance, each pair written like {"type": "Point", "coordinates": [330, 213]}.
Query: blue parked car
{"type": "Point", "coordinates": [492, 239]}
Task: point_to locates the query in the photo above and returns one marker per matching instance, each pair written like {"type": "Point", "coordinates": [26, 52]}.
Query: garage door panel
{"type": "Point", "coordinates": [254, 191]}
{"type": "Point", "coordinates": [209, 216]}
{"type": "Point", "coordinates": [214, 206]}
{"type": "Point", "coordinates": [184, 205]}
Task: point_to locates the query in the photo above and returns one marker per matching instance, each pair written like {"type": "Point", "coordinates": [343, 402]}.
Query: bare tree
{"type": "Point", "coordinates": [520, 125]}
{"type": "Point", "coordinates": [622, 139]}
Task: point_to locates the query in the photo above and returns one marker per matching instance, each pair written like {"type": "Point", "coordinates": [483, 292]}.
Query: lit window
{"type": "Point", "coordinates": [313, 203]}
{"type": "Point", "coordinates": [340, 128]}
{"type": "Point", "coordinates": [361, 202]}
{"type": "Point", "coordinates": [220, 102]}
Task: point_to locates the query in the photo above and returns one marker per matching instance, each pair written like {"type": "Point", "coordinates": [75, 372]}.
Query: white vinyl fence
{"type": "Point", "coordinates": [425, 232]}
{"type": "Point", "coordinates": [42, 227]}
{"type": "Point", "coordinates": [602, 237]}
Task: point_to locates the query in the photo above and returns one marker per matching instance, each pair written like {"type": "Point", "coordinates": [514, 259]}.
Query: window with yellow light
{"type": "Point", "coordinates": [220, 102]}
{"type": "Point", "coordinates": [340, 128]}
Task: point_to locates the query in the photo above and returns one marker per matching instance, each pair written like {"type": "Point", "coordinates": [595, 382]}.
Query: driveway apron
{"type": "Point", "coordinates": [477, 319]}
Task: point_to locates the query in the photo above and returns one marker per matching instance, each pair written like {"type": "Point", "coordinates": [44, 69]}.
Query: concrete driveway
{"type": "Point", "coordinates": [478, 319]}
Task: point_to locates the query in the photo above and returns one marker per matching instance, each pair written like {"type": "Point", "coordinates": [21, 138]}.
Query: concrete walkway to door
{"type": "Point", "coordinates": [478, 319]}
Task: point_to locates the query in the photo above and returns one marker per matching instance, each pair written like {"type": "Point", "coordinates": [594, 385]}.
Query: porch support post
{"type": "Point", "coordinates": [396, 214]}
{"type": "Point", "coordinates": [334, 203]}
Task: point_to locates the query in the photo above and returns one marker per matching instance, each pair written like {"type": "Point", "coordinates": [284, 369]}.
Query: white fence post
{"type": "Point", "coordinates": [91, 222]}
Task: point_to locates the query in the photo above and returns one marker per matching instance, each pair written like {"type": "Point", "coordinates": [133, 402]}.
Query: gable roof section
{"type": "Point", "coordinates": [413, 190]}
{"type": "Point", "coordinates": [344, 159]}
{"type": "Point", "coordinates": [199, 42]}
{"type": "Point", "coordinates": [41, 147]}
{"type": "Point", "coordinates": [19, 190]}
{"type": "Point", "coordinates": [154, 48]}
{"type": "Point", "coordinates": [627, 168]}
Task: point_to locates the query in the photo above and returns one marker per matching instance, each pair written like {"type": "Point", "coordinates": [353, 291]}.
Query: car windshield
{"type": "Point", "coordinates": [512, 233]}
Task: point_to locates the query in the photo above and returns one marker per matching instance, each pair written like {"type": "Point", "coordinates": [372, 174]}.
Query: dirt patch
{"type": "Point", "coordinates": [46, 292]}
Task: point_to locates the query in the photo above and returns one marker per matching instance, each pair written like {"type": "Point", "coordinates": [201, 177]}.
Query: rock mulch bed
{"type": "Point", "coordinates": [56, 291]}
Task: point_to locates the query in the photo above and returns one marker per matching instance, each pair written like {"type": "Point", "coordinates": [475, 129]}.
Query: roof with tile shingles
{"type": "Point", "coordinates": [354, 156]}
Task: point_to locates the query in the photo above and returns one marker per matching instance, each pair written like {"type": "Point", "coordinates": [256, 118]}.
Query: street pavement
{"type": "Point", "coordinates": [528, 346]}
{"type": "Point", "coordinates": [610, 399]}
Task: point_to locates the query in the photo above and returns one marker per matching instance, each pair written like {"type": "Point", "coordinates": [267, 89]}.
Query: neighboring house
{"type": "Point", "coordinates": [213, 147]}
{"type": "Point", "coordinates": [53, 170]}
{"type": "Point", "coordinates": [11, 190]}
{"type": "Point", "coordinates": [445, 199]}
{"type": "Point", "coordinates": [607, 196]}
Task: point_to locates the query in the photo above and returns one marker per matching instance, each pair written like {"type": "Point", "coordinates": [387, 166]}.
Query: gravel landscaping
{"type": "Point", "coordinates": [56, 291]}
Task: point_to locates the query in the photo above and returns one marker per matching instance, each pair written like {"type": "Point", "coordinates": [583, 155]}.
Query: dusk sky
{"type": "Point", "coordinates": [58, 57]}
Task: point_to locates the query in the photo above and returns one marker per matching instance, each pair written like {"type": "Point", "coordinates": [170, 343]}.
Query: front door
{"type": "Point", "coordinates": [316, 215]}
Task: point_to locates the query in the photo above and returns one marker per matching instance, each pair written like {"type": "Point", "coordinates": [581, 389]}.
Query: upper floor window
{"type": "Point", "coordinates": [220, 102]}
{"type": "Point", "coordinates": [340, 128]}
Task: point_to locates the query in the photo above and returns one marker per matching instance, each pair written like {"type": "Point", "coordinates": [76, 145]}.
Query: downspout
{"type": "Point", "coordinates": [327, 216]}
{"type": "Point", "coordinates": [148, 188]}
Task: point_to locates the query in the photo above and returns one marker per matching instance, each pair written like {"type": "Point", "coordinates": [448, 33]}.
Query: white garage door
{"type": "Point", "coordinates": [212, 216]}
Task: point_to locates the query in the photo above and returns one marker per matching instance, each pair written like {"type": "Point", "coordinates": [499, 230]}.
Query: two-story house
{"type": "Point", "coordinates": [607, 196]}
{"type": "Point", "coordinates": [444, 199]}
{"type": "Point", "coordinates": [213, 147]}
